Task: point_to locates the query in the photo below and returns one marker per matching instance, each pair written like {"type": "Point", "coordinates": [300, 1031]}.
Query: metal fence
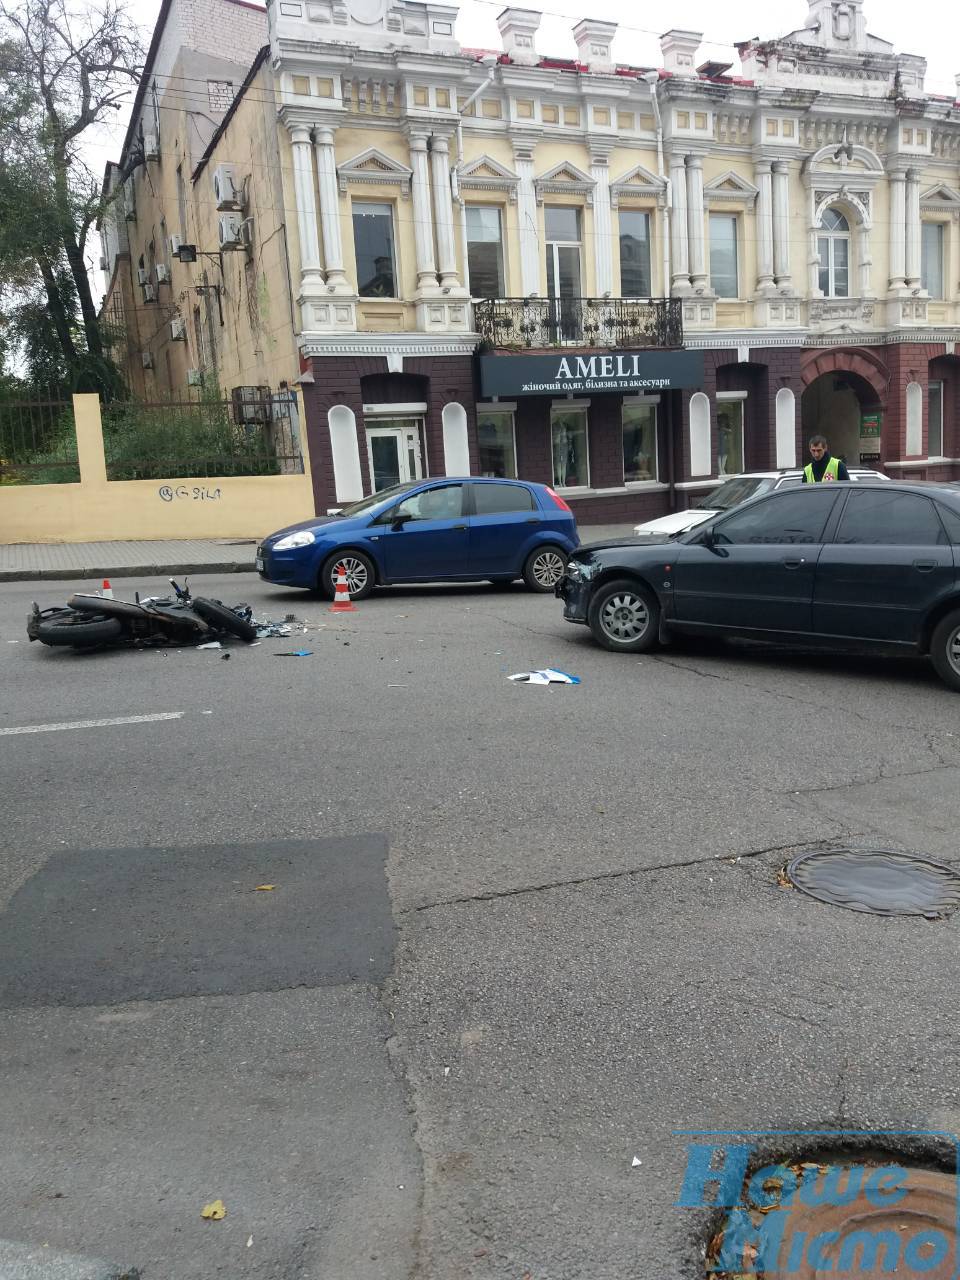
{"type": "Point", "coordinates": [595, 322]}
{"type": "Point", "coordinates": [38, 442]}
{"type": "Point", "coordinates": [189, 438]}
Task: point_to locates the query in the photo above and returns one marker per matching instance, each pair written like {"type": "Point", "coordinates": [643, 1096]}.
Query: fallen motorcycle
{"type": "Point", "coordinates": [92, 622]}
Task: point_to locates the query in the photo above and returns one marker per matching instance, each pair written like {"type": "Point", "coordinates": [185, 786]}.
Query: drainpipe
{"type": "Point", "coordinates": [652, 79]}
{"type": "Point", "coordinates": [490, 61]}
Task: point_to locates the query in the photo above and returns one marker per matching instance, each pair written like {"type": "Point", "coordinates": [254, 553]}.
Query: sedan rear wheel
{"type": "Point", "coordinates": [544, 568]}
{"type": "Point", "coordinates": [945, 649]}
{"type": "Point", "coordinates": [625, 617]}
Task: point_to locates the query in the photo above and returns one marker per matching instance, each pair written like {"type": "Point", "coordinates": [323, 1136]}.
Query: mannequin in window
{"type": "Point", "coordinates": [723, 446]}
{"type": "Point", "coordinates": [561, 454]}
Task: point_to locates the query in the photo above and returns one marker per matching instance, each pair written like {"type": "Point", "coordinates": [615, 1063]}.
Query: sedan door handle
{"type": "Point", "coordinates": [925, 566]}
{"type": "Point", "coordinates": [793, 564]}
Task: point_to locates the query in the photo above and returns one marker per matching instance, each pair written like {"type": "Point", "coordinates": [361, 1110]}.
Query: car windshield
{"type": "Point", "coordinates": [732, 492]}
{"type": "Point", "coordinates": [376, 499]}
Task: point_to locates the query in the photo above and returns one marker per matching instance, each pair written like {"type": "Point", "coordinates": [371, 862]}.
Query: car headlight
{"type": "Point", "coordinates": [303, 538]}
{"type": "Point", "coordinates": [578, 571]}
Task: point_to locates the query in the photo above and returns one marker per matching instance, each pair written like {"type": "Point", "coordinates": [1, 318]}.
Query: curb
{"type": "Point", "coordinates": [27, 1262]}
{"type": "Point", "coordinates": [126, 571]}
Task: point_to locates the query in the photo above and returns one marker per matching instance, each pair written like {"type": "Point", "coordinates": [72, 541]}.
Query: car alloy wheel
{"type": "Point", "coordinates": [548, 569]}
{"type": "Point", "coordinates": [358, 575]}
{"type": "Point", "coordinates": [953, 650]}
{"type": "Point", "coordinates": [625, 617]}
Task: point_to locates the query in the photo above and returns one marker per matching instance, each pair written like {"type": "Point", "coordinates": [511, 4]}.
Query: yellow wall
{"type": "Point", "coordinates": [100, 510]}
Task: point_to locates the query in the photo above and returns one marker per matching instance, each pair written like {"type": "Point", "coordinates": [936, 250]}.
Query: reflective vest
{"type": "Point", "coordinates": [832, 470]}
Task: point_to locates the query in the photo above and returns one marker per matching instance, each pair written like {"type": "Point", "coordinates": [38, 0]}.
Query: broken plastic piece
{"type": "Point", "coordinates": [546, 676]}
{"type": "Point", "coordinates": [211, 644]}
{"type": "Point", "coordinates": [295, 653]}
{"type": "Point", "coordinates": [214, 1211]}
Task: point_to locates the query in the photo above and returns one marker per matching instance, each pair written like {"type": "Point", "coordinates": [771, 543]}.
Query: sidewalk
{"type": "Point", "coordinates": [31, 561]}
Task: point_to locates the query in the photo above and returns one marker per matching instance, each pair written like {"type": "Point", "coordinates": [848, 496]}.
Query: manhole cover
{"type": "Point", "coordinates": [812, 1220]}
{"type": "Point", "coordinates": [878, 880]}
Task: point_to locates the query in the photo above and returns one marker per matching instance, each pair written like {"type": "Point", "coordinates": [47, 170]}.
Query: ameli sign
{"type": "Point", "coordinates": [567, 373]}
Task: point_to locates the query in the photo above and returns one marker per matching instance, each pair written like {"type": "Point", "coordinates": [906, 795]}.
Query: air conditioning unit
{"type": "Point", "coordinates": [233, 232]}
{"type": "Point", "coordinates": [146, 359]}
{"type": "Point", "coordinates": [226, 188]}
{"type": "Point", "coordinates": [175, 243]}
{"type": "Point", "coordinates": [149, 293]}
{"type": "Point", "coordinates": [151, 145]}
{"type": "Point", "coordinates": [163, 273]}
{"type": "Point", "coordinates": [178, 329]}
{"type": "Point", "coordinates": [129, 202]}
{"type": "Point", "coordinates": [194, 377]}
{"type": "Point", "coordinates": [143, 275]}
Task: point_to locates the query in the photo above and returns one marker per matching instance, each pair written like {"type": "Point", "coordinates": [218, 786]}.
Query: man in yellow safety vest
{"type": "Point", "coordinates": [823, 466]}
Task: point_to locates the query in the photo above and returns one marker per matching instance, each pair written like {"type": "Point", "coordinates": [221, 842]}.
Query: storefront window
{"type": "Point", "coordinates": [935, 420]}
{"type": "Point", "coordinates": [639, 442]}
{"type": "Point", "coordinates": [730, 436]}
{"type": "Point", "coordinates": [373, 240]}
{"type": "Point", "coordinates": [568, 430]}
{"type": "Point", "coordinates": [496, 444]}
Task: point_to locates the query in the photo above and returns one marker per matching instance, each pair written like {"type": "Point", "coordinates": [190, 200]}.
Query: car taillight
{"type": "Point", "coordinates": [557, 500]}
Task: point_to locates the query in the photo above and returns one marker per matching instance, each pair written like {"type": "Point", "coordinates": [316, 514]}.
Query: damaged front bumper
{"type": "Point", "coordinates": [575, 596]}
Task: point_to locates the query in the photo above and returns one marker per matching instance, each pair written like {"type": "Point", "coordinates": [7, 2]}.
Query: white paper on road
{"type": "Point", "coordinates": [92, 724]}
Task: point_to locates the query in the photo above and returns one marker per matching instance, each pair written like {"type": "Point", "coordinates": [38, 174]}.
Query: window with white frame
{"type": "Point", "coordinates": [730, 444]}
{"type": "Point", "coordinates": [485, 251]}
{"type": "Point", "coordinates": [639, 442]}
{"type": "Point", "coordinates": [374, 244]}
{"type": "Point", "coordinates": [568, 438]}
{"type": "Point", "coordinates": [931, 258]}
{"type": "Point", "coordinates": [496, 443]}
{"type": "Point", "coordinates": [935, 420]}
{"type": "Point", "coordinates": [833, 250]}
{"type": "Point", "coordinates": [724, 267]}
{"type": "Point", "coordinates": [634, 253]}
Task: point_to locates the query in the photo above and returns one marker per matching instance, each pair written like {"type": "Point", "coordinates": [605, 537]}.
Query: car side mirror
{"type": "Point", "coordinates": [708, 538]}
{"type": "Point", "coordinates": [399, 520]}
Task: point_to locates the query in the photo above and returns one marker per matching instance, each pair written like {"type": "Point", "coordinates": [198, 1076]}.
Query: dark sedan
{"type": "Point", "coordinates": [865, 566]}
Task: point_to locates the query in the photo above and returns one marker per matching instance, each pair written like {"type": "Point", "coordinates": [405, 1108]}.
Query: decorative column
{"type": "Point", "coordinates": [443, 206]}
{"type": "Point", "coordinates": [311, 273]}
{"type": "Point", "coordinates": [898, 227]}
{"type": "Point", "coordinates": [781, 226]}
{"type": "Point", "coordinates": [698, 270]}
{"type": "Point", "coordinates": [602, 223]}
{"type": "Point", "coordinates": [764, 228]}
{"type": "Point", "coordinates": [913, 228]}
{"type": "Point", "coordinates": [330, 213]}
{"type": "Point", "coordinates": [678, 225]}
{"type": "Point", "coordinates": [422, 214]}
{"type": "Point", "coordinates": [527, 217]}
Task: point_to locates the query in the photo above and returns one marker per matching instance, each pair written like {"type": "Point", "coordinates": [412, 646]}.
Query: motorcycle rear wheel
{"type": "Point", "coordinates": [79, 630]}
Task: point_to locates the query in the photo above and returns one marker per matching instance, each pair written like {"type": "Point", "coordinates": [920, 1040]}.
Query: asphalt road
{"type": "Point", "coordinates": [568, 899]}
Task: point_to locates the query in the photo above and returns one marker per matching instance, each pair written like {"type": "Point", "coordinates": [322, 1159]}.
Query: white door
{"type": "Point", "coordinates": [394, 452]}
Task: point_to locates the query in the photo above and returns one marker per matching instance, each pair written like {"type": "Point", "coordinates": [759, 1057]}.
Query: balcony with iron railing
{"type": "Point", "coordinates": [538, 323]}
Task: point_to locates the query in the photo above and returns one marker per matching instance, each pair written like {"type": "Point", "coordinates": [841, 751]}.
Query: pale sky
{"type": "Point", "coordinates": [929, 28]}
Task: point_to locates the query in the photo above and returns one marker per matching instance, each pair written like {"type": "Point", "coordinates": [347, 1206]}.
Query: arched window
{"type": "Point", "coordinates": [833, 249]}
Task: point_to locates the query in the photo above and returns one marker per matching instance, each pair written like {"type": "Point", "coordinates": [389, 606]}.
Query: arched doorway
{"type": "Point", "coordinates": [846, 406]}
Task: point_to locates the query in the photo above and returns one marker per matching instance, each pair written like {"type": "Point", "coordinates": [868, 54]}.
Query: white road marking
{"type": "Point", "coordinates": [92, 724]}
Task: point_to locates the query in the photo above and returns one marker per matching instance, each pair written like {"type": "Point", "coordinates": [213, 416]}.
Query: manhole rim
{"type": "Point", "coordinates": [952, 874]}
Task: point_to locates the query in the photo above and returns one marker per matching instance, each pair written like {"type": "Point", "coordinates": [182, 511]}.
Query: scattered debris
{"type": "Point", "coordinates": [636, 1163]}
{"type": "Point", "coordinates": [295, 653]}
{"type": "Point", "coordinates": [214, 1212]}
{"type": "Point", "coordinates": [211, 644]}
{"type": "Point", "coordinates": [249, 1242]}
{"type": "Point", "coordinates": [546, 676]}
{"type": "Point", "coordinates": [224, 657]}
{"type": "Point", "coordinates": [265, 888]}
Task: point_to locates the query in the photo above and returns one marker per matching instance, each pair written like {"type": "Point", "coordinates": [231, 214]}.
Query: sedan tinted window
{"type": "Point", "coordinates": [894, 519]}
{"type": "Point", "coordinates": [792, 518]}
{"type": "Point", "coordinates": [494, 499]}
{"type": "Point", "coordinates": [952, 520]}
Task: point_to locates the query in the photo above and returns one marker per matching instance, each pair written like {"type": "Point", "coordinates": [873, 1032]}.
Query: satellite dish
{"type": "Point", "coordinates": [368, 13]}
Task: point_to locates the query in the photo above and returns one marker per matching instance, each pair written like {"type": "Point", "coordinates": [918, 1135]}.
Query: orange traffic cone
{"type": "Point", "coordinates": [341, 601]}
{"type": "Point", "coordinates": [107, 591]}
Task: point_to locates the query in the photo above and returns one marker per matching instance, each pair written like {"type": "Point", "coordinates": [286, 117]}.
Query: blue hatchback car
{"type": "Point", "coordinates": [450, 529]}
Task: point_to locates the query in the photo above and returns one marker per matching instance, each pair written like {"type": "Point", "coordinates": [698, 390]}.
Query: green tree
{"type": "Point", "coordinates": [64, 70]}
